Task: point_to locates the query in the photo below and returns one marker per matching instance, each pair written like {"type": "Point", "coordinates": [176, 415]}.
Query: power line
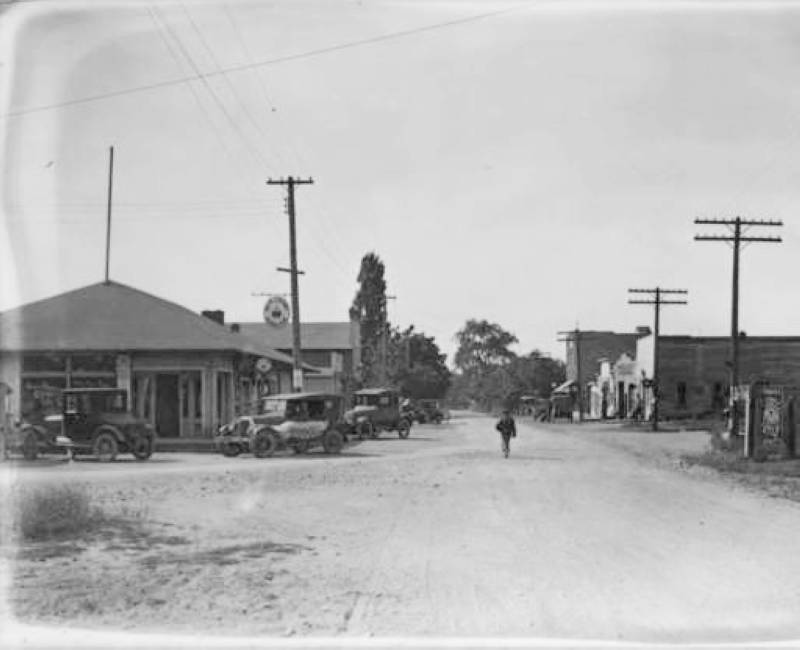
{"type": "Point", "coordinates": [247, 66]}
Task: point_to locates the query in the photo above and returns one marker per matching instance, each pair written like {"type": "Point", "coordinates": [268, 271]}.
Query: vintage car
{"type": "Point", "coordinates": [429, 411]}
{"type": "Point", "coordinates": [97, 421]}
{"type": "Point", "coordinates": [34, 437]}
{"type": "Point", "coordinates": [297, 421]}
{"type": "Point", "coordinates": [376, 410]}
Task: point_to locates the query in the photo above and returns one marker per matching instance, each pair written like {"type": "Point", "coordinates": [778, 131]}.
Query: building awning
{"type": "Point", "coordinates": [564, 388]}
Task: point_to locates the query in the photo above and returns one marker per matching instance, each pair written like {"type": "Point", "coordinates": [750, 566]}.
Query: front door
{"type": "Point", "coordinates": [167, 406]}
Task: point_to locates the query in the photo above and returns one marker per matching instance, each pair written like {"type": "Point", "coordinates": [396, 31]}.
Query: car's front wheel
{"type": "Point", "coordinates": [265, 443]}
{"type": "Point", "coordinates": [105, 447]}
{"type": "Point", "coordinates": [403, 428]}
{"type": "Point", "coordinates": [333, 442]}
{"type": "Point", "coordinates": [30, 445]}
{"type": "Point", "coordinates": [142, 447]}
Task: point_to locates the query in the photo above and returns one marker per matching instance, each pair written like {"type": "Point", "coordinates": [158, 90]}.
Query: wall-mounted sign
{"type": "Point", "coordinates": [263, 365]}
{"type": "Point", "coordinates": [276, 311]}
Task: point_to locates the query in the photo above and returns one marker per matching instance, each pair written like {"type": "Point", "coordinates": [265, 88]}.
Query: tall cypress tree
{"type": "Point", "coordinates": [369, 306]}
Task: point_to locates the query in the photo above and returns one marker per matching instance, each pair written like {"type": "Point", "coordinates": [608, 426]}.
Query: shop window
{"type": "Point", "coordinates": [93, 363]}
{"type": "Point", "coordinates": [93, 382]}
{"type": "Point", "coordinates": [319, 358]}
{"type": "Point", "coordinates": [44, 363]}
{"type": "Point", "coordinates": [682, 394]}
{"type": "Point", "coordinates": [41, 397]}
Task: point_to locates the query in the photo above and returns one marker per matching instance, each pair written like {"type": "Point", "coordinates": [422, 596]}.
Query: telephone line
{"type": "Point", "coordinates": [274, 61]}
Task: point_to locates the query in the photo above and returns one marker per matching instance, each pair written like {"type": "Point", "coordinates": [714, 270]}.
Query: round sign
{"type": "Point", "coordinates": [276, 311]}
{"type": "Point", "coordinates": [263, 365]}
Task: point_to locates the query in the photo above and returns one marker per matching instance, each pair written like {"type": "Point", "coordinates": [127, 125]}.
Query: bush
{"type": "Point", "coordinates": [53, 511]}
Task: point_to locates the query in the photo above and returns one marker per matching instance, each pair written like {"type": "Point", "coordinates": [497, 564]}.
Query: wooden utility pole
{"type": "Point", "coordinates": [290, 182]}
{"type": "Point", "coordinates": [736, 237]}
{"type": "Point", "coordinates": [575, 336]}
{"type": "Point", "coordinates": [108, 210]}
{"type": "Point", "coordinates": [657, 300]}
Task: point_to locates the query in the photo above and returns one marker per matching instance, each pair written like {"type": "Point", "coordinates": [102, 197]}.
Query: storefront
{"type": "Point", "coordinates": [184, 373]}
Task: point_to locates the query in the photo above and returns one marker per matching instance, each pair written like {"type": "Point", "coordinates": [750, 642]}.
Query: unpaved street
{"type": "Point", "coordinates": [585, 532]}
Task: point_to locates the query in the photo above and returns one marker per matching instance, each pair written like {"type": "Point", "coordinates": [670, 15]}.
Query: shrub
{"type": "Point", "coordinates": [53, 511]}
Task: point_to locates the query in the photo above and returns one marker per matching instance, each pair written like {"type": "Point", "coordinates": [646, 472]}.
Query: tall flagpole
{"type": "Point", "coordinates": [108, 212]}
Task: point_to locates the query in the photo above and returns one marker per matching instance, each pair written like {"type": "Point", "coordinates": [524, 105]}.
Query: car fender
{"type": "Point", "coordinates": [107, 428]}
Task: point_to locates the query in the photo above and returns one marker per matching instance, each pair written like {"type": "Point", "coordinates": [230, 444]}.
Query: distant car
{"type": "Point", "coordinates": [97, 421]}
{"type": "Point", "coordinates": [430, 411]}
{"type": "Point", "coordinates": [376, 410]}
{"type": "Point", "coordinates": [297, 421]}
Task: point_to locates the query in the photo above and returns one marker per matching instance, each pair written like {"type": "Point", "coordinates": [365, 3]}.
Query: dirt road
{"type": "Point", "coordinates": [585, 532]}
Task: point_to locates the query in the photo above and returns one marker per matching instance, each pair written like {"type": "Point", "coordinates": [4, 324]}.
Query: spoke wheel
{"type": "Point", "coordinates": [30, 446]}
{"type": "Point", "coordinates": [403, 428]}
{"type": "Point", "coordinates": [105, 447]}
{"type": "Point", "coordinates": [231, 449]}
{"type": "Point", "coordinates": [265, 444]}
{"type": "Point", "coordinates": [333, 442]}
{"type": "Point", "coordinates": [142, 448]}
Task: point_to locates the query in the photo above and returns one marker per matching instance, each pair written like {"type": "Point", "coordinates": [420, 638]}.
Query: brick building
{"type": "Point", "coordinates": [694, 372]}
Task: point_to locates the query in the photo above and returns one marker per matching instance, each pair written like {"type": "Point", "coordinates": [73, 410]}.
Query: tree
{"type": "Point", "coordinates": [418, 368]}
{"type": "Point", "coordinates": [482, 344]}
{"type": "Point", "coordinates": [369, 307]}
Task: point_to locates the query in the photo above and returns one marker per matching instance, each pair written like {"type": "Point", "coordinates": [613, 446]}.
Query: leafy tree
{"type": "Point", "coordinates": [369, 307]}
{"type": "Point", "coordinates": [418, 367]}
{"type": "Point", "coordinates": [482, 344]}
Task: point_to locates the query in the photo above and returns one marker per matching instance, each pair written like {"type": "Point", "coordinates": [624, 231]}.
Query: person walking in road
{"type": "Point", "coordinates": [508, 429]}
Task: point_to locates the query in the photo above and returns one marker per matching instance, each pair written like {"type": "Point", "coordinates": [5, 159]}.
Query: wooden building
{"type": "Point", "coordinates": [184, 372]}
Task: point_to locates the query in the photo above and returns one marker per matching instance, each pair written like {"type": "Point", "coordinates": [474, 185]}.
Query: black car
{"type": "Point", "coordinates": [97, 421]}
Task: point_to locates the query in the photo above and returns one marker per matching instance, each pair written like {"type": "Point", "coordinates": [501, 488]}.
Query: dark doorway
{"type": "Point", "coordinates": [167, 412]}
{"type": "Point", "coordinates": [622, 412]}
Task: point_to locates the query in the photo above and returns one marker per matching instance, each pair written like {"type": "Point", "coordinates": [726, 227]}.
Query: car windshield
{"type": "Point", "coordinates": [367, 400]}
{"type": "Point", "coordinates": [273, 406]}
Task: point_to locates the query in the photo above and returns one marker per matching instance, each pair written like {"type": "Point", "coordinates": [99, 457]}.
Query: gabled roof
{"type": "Point", "coordinates": [113, 316]}
{"type": "Point", "coordinates": [313, 336]}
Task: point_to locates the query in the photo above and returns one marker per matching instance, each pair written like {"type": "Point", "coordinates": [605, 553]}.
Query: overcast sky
{"type": "Point", "coordinates": [521, 162]}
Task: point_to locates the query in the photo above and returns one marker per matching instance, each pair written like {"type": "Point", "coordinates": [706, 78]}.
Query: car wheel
{"type": "Point", "coordinates": [142, 448]}
{"type": "Point", "coordinates": [231, 449]}
{"type": "Point", "coordinates": [105, 447]}
{"type": "Point", "coordinates": [265, 443]}
{"type": "Point", "coordinates": [403, 428]}
{"type": "Point", "coordinates": [30, 445]}
{"type": "Point", "coordinates": [333, 442]}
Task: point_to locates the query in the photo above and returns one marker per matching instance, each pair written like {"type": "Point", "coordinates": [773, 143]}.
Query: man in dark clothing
{"type": "Point", "coordinates": [508, 429]}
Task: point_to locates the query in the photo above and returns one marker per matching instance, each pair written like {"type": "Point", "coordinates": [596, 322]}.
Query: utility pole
{"type": "Point", "coordinates": [290, 182]}
{"type": "Point", "coordinates": [657, 300]}
{"type": "Point", "coordinates": [736, 237]}
{"type": "Point", "coordinates": [108, 209]}
{"type": "Point", "coordinates": [575, 336]}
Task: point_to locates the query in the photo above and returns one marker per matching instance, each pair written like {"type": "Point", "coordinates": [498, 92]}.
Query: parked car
{"type": "Point", "coordinates": [430, 411]}
{"type": "Point", "coordinates": [97, 421]}
{"type": "Point", "coordinates": [376, 410]}
{"type": "Point", "coordinates": [297, 421]}
{"type": "Point", "coordinates": [31, 438]}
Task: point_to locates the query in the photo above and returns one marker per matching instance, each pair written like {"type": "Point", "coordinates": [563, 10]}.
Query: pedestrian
{"type": "Point", "coordinates": [508, 429]}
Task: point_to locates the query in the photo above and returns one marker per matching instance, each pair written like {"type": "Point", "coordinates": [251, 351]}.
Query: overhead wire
{"type": "Point", "coordinates": [266, 62]}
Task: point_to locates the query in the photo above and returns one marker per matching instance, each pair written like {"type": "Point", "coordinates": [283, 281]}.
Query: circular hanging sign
{"type": "Point", "coordinates": [276, 311]}
{"type": "Point", "coordinates": [263, 365]}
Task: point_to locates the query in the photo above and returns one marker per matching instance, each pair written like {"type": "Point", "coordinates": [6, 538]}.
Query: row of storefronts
{"type": "Point", "coordinates": [185, 373]}
{"type": "Point", "coordinates": [694, 372]}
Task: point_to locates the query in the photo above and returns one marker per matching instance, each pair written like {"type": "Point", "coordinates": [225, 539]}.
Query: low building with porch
{"type": "Point", "coordinates": [332, 348]}
{"type": "Point", "coordinates": [183, 372]}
